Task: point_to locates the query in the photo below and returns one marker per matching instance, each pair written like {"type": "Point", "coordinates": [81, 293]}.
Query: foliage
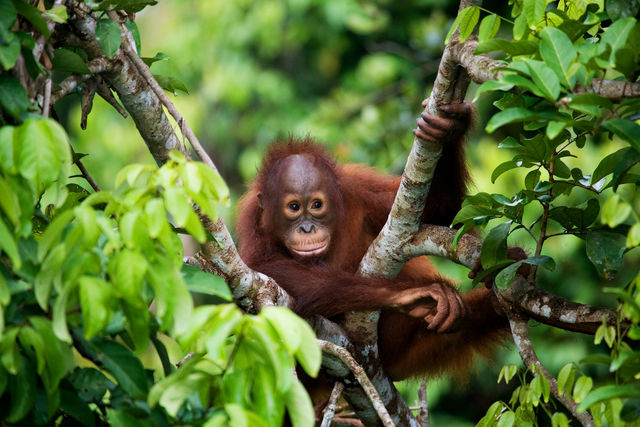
{"type": "Point", "coordinates": [88, 279]}
{"type": "Point", "coordinates": [548, 98]}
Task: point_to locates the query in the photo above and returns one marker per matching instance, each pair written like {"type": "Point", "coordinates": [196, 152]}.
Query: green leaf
{"type": "Point", "coordinates": [205, 283]}
{"type": "Point", "coordinates": [605, 250]}
{"type": "Point", "coordinates": [43, 152]}
{"type": "Point", "coordinates": [95, 297]}
{"type": "Point", "coordinates": [489, 27]}
{"type": "Point", "coordinates": [502, 168]}
{"type": "Point", "coordinates": [566, 376]}
{"type": "Point", "coordinates": [67, 60]}
{"type": "Point", "coordinates": [512, 48]}
{"type": "Point", "coordinates": [608, 392]}
{"type": "Point", "coordinates": [633, 237]}
{"type": "Point", "coordinates": [22, 389]}
{"type": "Point", "coordinates": [157, 57]}
{"type": "Point", "coordinates": [9, 53]}
{"type": "Point", "coordinates": [125, 367]}
{"type": "Point", "coordinates": [171, 84]}
{"type": "Point", "coordinates": [135, 33]}
{"type": "Point", "coordinates": [545, 79]}
{"type": "Point", "coordinates": [616, 35]}
{"type": "Point", "coordinates": [108, 36]}
{"type": "Point", "coordinates": [468, 22]}
{"type": "Point", "coordinates": [13, 97]}
{"type": "Point", "coordinates": [507, 116]}
{"type": "Point", "coordinates": [625, 129]}
{"type": "Point", "coordinates": [32, 15]}
{"type": "Point", "coordinates": [7, 14]}
{"type": "Point", "coordinates": [505, 276]}
{"type": "Point", "coordinates": [608, 164]}
{"type": "Point", "coordinates": [582, 388]}
{"type": "Point", "coordinates": [618, 9]}
{"type": "Point", "coordinates": [534, 11]}
{"type": "Point", "coordinates": [57, 14]}
{"type": "Point", "coordinates": [127, 270]}
{"type": "Point", "coordinates": [9, 246]}
{"type": "Point", "coordinates": [614, 211]}
{"type": "Point", "coordinates": [299, 405]}
{"type": "Point", "coordinates": [492, 86]}
{"type": "Point", "coordinates": [558, 53]}
{"type": "Point", "coordinates": [543, 261]}
{"type": "Point", "coordinates": [507, 419]}
{"type": "Point", "coordinates": [494, 246]}
{"type": "Point", "coordinates": [58, 355]}
{"type": "Point", "coordinates": [128, 5]}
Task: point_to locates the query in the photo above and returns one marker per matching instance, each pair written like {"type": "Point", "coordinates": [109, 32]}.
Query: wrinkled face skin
{"type": "Point", "coordinates": [303, 217]}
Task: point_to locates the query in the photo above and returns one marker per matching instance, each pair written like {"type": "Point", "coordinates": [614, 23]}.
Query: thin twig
{"type": "Point", "coordinates": [423, 417]}
{"type": "Point", "coordinates": [85, 173]}
{"type": "Point", "coordinates": [520, 332]}
{"type": "Point", "coordinates": [330, 409]}
{"type": "Point", "coordinates": [143, 69]}
{"type": "Point", "coordinates": [46, 102]}
{"type": "Point", "coordinates": [357, 370]}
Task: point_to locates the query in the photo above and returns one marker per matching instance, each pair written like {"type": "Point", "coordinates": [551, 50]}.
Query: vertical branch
{"type": "Point", "coordinates": [423, 418]}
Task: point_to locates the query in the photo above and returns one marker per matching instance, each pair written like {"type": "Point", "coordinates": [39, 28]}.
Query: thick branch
{"type": "Point", "coordinates": [437, 240]}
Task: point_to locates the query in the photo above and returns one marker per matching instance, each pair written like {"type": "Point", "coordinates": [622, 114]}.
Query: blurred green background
{"type": "Point", "coordinates": [351, 74]}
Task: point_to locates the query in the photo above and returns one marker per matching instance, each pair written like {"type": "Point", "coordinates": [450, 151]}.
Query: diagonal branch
{"type": "Point", "coordinates": [520, 332]}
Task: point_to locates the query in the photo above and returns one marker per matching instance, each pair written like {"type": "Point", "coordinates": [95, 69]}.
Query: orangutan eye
{"type": "Point", "coordinates": [316, 204]}
{"type": "Point", "coordinates": [294, 206]}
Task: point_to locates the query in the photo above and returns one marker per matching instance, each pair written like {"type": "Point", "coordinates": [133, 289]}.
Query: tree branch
{"type": "Point", "coordinates": [520, 332]}
{"type": "Point", "coordinates": [482, 68]}
{"type": "Point", "coordinates": [347, 359]}
{"type": "Point", "coordinates": [330, 409]}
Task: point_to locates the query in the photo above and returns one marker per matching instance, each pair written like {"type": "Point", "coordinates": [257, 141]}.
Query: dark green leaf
{"type": "Point", "coordinates": [13, 97]}
{"type": "Point", "coordinates": [617, 9]}
{"type": "Point", "coordinates": [109, 37]}
{"type": "Point", "coordinates": [68, 60]}
{"type": "Point", "coordinates": [608, 164]}
{"type": "Point", "coordinates": [505, 277]}
{"type": "Point", "coordinates": [90, 383]}
{"type": "Point", "coordinates": [128, 5]}
{"type": "Point", "coordinates": [157, 57]}
{"type": "Point", "coordinates": [605, 250]}
{"type": "Point", "coordinates": [125, 367]}
{"type": "Point", "coordinates": [205, 283]}
{"type": "Point", "coordinates": [502, 168]}
{"type": "Point", "coordinates": [32, 15]}
{"type": "Point", "coordinates": [171, 84]}
{"type": "Point", "coordinates": [494, 246]}
{"type": "Point", "coordinates": [133, 28]}
{"type": "Point", "coordinates": [7, 14]}
{"type": "Point", "coordinates": [625, 129]}
{"type": "Point", "coordinates": [541, 261]}
{"type": "Point", "coordinates": [76, 408]}
{"type": "Point", "coordinates": [22, 389]}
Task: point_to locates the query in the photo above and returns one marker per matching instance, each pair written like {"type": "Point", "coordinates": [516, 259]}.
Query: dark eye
{"type": "Point", "coordinates": [316, 204]}
{"type": "Point", "coordinates": [294, 206]}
